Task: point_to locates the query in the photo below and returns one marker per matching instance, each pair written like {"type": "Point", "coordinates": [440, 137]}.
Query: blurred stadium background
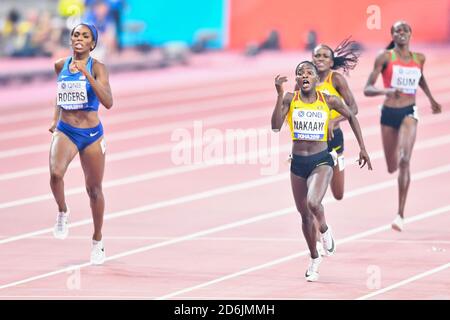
{"type": "Point", "coordinates": [138, 34]}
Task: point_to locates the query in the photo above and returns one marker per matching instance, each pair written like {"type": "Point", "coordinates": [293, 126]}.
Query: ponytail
{"type": "Point", "coordinates": [391, 45]}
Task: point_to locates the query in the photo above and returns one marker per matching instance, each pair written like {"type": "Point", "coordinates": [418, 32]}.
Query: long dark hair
{"type": "Point", "coordinates": [391, 45]}
{"type": "Point", "coordinates": [345, 56]}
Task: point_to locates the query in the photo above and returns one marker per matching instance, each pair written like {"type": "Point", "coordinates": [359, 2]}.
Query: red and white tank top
{"type": "Point", "coordinates": [401, 75]}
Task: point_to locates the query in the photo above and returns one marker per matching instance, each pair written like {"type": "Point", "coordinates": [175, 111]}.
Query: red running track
{"type": "Point", "coordinates": [205, 230]}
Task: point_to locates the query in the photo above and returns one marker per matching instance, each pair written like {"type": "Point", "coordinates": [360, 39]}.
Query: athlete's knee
{"type": "Point", "coordinates": [307, 218]}
{"type": "Point", "coordinates": [403, 162]}
{"type": "Point", "coordinates": [94, 192]}
{"type": "Point", "coordinates": [314, 205]}
{"type": "Point", "coordinates": [338, 195]}
{"type": "Point", "coordinates": [56, 174]}
{"type": "Point", "coordinates": [392, 168]}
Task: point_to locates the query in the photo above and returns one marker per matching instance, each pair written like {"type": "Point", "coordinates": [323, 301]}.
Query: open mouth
{"type": "Point", "coordinates": [78, 46]}
{"type": "Point", "coordinates": [305, 83]}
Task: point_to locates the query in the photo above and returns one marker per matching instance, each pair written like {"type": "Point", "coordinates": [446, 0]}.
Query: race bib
{"type": "Point", "coordinates": [309, 124]}
{"type": "Point", "coordinates": [72, 94]}
{"type": "Point", "coordinates": [406, 79]}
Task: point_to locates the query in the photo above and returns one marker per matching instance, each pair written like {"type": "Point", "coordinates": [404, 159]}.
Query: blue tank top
{"type": "Point", "coordinates": [74, 92]}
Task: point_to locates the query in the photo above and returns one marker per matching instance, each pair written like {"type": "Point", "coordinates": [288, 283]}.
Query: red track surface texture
{"type": "Point", "coordinates": [219, 231]}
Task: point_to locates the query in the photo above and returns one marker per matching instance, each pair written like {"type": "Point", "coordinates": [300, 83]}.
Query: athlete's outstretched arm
{"type": "Point", "coordinates": [342, 87]}
{"type": "Point", "coordinates": [370, 90]}
{"type": "Point", "coordinates": [436, 107]}
{"type": "Point", "coordinates": [282, 105]}
{"type": "Point", "coordinates": [336, 104]}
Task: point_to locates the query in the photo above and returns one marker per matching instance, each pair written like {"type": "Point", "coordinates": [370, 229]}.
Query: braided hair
{"type": "Point", "coordinates": [345, 56]}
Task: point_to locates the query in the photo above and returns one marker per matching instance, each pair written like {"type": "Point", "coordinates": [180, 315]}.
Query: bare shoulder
{"type": "Point", "coordinates": [420, 57]}
{"type": "Point", "coordinates": [383, 56]}
{"type": "Point", "coordinates": [287, 99]}
{"type": "Point", "coordinates": [97, 65]}
{"type": "Point", "coordinates": [289, 95]}
{"type": "Point", "coordinates": [59, 64]}
{"type": "Point", "coordinates": [338, 79]}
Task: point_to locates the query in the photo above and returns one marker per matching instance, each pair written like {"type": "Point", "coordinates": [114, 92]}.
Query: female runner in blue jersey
{"type": "Point", "coordinates": [307, 112]}
{"type": "Point", "coordinates": [82, 84]}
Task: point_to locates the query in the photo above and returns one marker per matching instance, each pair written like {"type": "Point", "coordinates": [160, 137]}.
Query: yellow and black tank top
{"type": "Point", "coordinates": [328, 88]}
{"type": "Point", "coordinates": [308, 121]}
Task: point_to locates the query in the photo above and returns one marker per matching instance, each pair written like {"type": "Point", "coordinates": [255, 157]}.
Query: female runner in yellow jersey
{"type": "Point", "coordinates": [344, 57]}
{"type": "Point", "coordinates": [307, 112]}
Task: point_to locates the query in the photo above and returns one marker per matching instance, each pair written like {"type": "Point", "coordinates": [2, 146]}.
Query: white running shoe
{"type": "Point", "coordinates": [397, 224]}
{"type": "Point", "coordinates": [98, 255]}
{"type": "Point", "coordinates": [320, 248]}
{"type": "Point", "coordinates": [61, 228]}
{"type": "Point", "coordinates": [328, 242]}
{"type": "Point", "coordinates": [312, 273]}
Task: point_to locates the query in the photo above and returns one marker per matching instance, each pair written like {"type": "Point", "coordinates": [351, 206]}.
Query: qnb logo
{"type": "Point", "coordinates": [314, 114]}
{"type": "Point", "coordinates": [63, 85]}
{"type": "Point", "coordinates": [74, 85]}
{"type": "Point", "coordinates": [310, 114]}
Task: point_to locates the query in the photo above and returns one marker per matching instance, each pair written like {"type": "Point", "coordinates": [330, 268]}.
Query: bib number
{"type": "Point", "coordinates": [72, 94]}
{"type": "Point", "coordinates": [406, 79]}
{"type": "Point", "coordinates": [309, 124]}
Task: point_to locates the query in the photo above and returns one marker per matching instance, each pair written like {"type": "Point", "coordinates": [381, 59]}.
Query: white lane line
{"type": "Point", "coordinates": [406, 281]}
{"type": "Point", "coordinates": [169, 110]}
{"type": "Point", "coordinates": [249, 239]}
{"type": "Point", "coordinates": [246, 156]}
{"type": "Point", "coordinates": [213, 89]}
{"type": "Point", "coordinates": [161, 204]}
{"type": "Point", "coordinates": [145, 131]}
{"type": "Point", "coordinates": [284, 259]}
{"type": "Point", "coordinates": [202, 195]}
{"type": "Point", "coordinates": [258, 218]}
{"type": "Point", "coordinates": [139, 152]}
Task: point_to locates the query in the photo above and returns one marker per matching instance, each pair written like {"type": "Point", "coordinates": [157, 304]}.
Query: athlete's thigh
{"type": "Point", "coordinates": [93, 162]}
{"type": "Point", "coordinates": [318, 182]}
{"type": "Point", "coordinates": [407, 137]}
{"type": "Point", "coordinates": [389, 136]}
{"type": "Point", "coordinates": [62, 152]}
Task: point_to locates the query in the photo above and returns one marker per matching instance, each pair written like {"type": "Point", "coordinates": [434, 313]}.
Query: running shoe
{"type": "Point", "coordinates": [61, 227]}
